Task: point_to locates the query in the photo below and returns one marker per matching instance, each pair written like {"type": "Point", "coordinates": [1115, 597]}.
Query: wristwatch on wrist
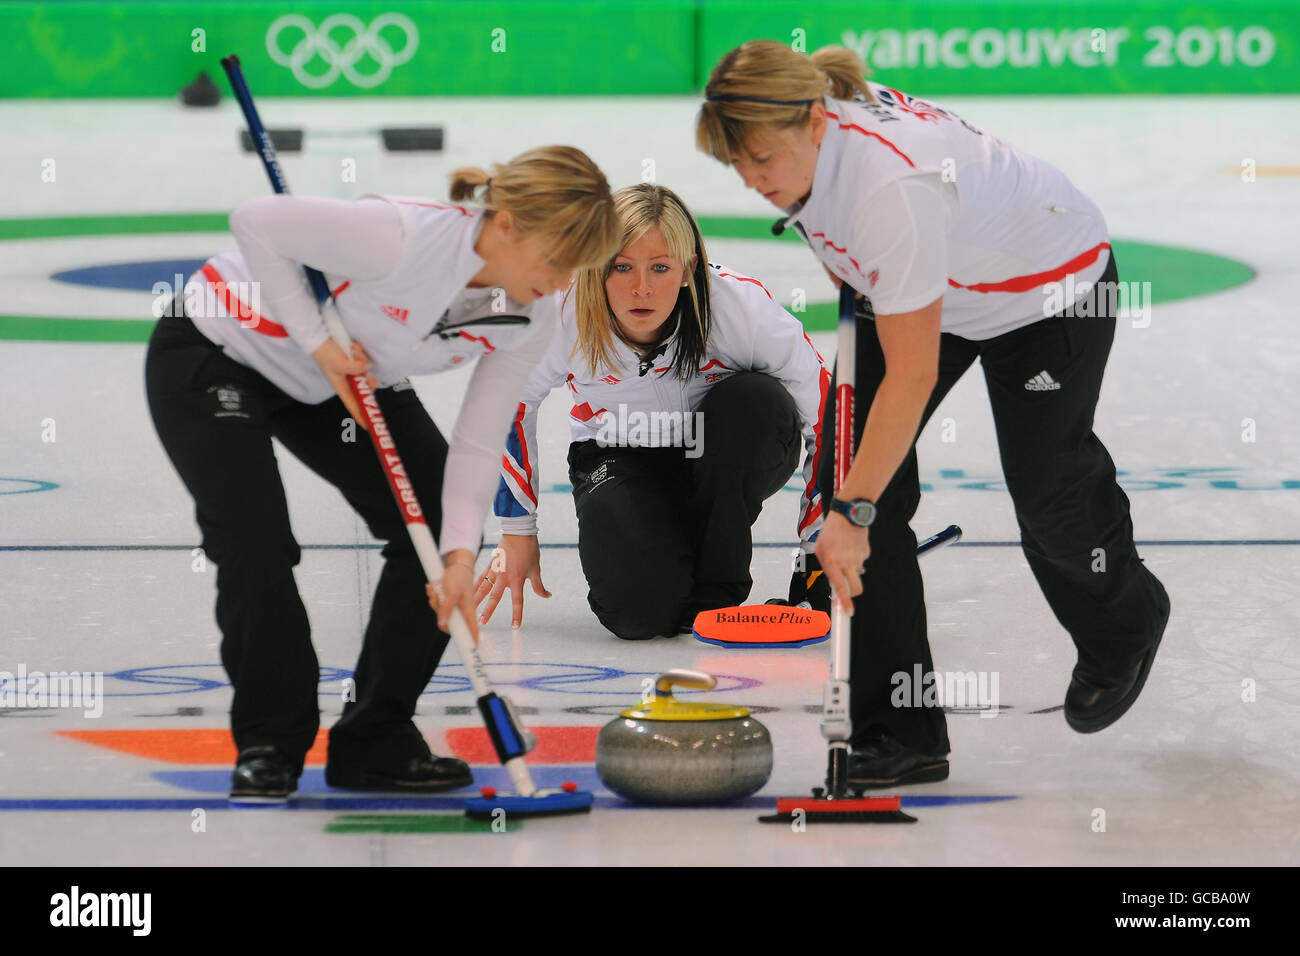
{"type": "Point", "coordinates": [859, 511]}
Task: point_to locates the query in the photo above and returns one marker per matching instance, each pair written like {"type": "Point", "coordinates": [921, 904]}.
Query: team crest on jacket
{"type": "Point", "coordinates": [910, 104]}
{"type": "Point", "coordinates": [871, 279]}
{"type": "Point", "coordinates": [393, 312]}
{"type": "Point", "coordinates": [905, 103]}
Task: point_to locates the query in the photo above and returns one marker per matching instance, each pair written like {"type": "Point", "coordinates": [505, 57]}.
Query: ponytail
{"type": "Point", "coordinates": [844, 72]}
{"type": "Point", "coordinates": [555, 193]}
{"type": "Point", "coordinates": [465, 180]}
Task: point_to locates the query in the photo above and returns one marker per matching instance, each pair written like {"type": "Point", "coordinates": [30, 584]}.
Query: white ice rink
{"type": "Point", "coordinates": [96, 531]}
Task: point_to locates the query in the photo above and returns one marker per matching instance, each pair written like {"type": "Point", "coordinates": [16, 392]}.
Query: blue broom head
{"type": "Point", "coordinates": [568, 799]}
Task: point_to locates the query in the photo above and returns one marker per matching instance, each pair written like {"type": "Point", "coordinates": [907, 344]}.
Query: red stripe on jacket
{"type": "Point", "coordinates": [815, 509]}
{"type": "Point", "coordinates": [866, 132]}
{"type": "Point", "coordinates": [523, 453]}
{"type": "Point", "coordinates": [746, 279]}
{"type": "Point", "coordinates": [435, 205]}
{"type": "Point", "coordinates": [478, 338]}
{"type": "Point", "coordinates": [505, 461]}
{"type": "Point", "coordinates": [822, 236]}
{"type": "Point", "coordinates": [583, 412]}
{"type": "Point", "coordinates": [1027, 283]}
{"type": "Point", "coordinates": [236, 308]}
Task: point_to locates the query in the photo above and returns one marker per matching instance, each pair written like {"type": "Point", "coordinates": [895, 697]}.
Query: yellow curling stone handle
{"type": "Point", "coordinates": [664, 706]}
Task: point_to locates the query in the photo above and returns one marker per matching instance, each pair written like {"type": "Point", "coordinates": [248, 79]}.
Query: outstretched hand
{"type": "Point", "coordinates": [517, 559]}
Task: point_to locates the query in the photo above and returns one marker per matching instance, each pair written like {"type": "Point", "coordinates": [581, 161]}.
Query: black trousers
{"type": "Point", "coordinates": [662, 536]}
{"type": "Point", "coordinates": [1073, 516]}
{"type": "Point", "coordinates": [216, 419]}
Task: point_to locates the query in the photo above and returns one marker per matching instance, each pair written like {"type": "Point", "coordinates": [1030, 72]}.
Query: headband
{"type": "Point", "coordinates": [728, 98]}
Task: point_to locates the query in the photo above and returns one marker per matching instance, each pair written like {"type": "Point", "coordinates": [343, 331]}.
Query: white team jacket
{"type": "Point", "coordinates": [398, 268]}
{"type": "Point", "coordinates": [751, 332]}
{"type": "Point", "coordinates": [1012, 222]}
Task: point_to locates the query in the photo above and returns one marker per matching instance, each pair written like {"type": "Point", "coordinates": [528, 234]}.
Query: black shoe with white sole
{"type": "Point", "coordinates": [263, 775]}
{"type": "Point", "coordinates": [880, 760]}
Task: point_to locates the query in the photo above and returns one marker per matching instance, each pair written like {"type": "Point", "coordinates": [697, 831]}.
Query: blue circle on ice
{"type": "Point", "coordinates": [131, 276]}
{"type": "Point", "coordinates": [36, 483]}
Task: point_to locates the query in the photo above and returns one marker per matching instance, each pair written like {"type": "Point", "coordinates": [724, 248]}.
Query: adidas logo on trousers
{"type": "Point", "coordinates": [1042, 382]}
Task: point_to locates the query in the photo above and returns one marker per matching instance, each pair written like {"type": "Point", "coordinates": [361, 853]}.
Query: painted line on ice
{"type": "Point", "coordinates": [343, 803]}
{"type": "Point", "coordinates": [570, 545]}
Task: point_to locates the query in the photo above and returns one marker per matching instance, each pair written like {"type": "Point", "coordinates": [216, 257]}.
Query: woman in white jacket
{"type": "Point", "coordinates": [962, 247]}
{"type": "Point", "coordinates": [419, 284]}
{"type": "Point", "coordinates": [691, 391]}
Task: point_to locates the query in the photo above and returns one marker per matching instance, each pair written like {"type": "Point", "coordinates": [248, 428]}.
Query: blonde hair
{"type": "Point", "coordinates": [553, 192]}
{"type": "Point", "coordinates": [765, 83]}
{"type": "Point", "coordinates": [640, 208]}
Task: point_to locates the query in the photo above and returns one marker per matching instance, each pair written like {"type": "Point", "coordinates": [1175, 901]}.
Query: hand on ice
{"type": "Point", "coordinates": [522, 562]}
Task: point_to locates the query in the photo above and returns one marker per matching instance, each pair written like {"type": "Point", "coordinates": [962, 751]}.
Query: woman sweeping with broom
{"type": "Point", "coordinates": [955, 240]}
{"type": "Point", "coordinates": [425, 287]}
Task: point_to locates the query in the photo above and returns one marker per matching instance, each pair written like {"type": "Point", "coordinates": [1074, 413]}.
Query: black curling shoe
{"type": "Point", "coordinates": [263, 775]}
{"type": "Point", "coordinates": [809, 587]}
{"type": "Point", "coordinates": [1093, 701]}
{"type": "Point", "coordinates": [881, 761]}
{"type": "Point", "coordinates": [429, 774]}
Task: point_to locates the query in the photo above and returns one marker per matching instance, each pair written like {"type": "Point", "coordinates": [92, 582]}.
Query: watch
{"type": "Point", "coordinates": [859, 511]}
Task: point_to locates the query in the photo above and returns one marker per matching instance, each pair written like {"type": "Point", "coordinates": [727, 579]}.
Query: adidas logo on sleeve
{"type": "Point", "coordinates": [1042, 382]}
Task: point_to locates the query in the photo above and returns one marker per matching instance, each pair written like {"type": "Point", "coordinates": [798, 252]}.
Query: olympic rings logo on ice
{"type": "Point", "coordinates": [366, 41]}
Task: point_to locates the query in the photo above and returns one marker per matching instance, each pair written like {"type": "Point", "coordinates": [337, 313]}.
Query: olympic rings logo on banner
{"type": "Point", "coordinates": [366, 41]}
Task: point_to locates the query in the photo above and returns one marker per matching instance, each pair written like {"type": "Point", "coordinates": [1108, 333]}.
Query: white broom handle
{"type": "Point", "coordinates": [845, 361]}
{"type": "Point", "coordinates": [426, 548]}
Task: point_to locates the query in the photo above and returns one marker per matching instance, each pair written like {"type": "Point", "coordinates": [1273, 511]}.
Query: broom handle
{"type": "Point", "coordinates": [845, 371]}
{"type": "Point", "coordinates": [836, 722]}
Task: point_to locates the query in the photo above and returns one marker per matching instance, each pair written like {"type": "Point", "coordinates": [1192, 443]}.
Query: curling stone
{"type": "Point", "coordinates": [668, 751]}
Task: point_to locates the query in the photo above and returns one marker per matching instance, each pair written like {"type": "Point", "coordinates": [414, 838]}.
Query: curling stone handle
{"type": "Point", "coordinates": [681, 677]}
